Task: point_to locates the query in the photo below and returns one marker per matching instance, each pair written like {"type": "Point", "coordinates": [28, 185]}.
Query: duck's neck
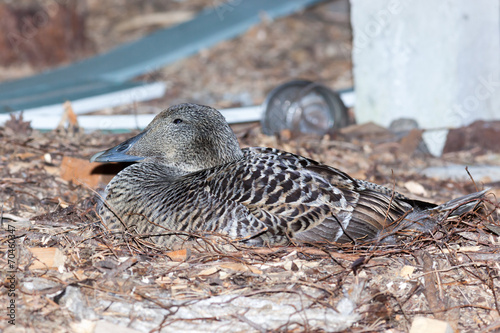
{"type": "Point", "coordinates": [230, 155]}
{"type": "Point", "coordinates": [217, 150]}
{"type": "Point", "coordinates": [201, 160]}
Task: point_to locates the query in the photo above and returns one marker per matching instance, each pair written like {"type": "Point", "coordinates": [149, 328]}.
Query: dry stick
{"type": "Point", "coordinates": [491, 285]}
{"type": "Point", "coordinates": [471, 178]}
{"type": "Point", "coordinates": [343, 229]}
{"type": "Point", "coordinates": [449, 269]}
{"type": "Point", "coordinates": [451, 316]}
{"type": "Point", "coordinates": [316, 286]}
{"type": "Point", "coordinates": [165, 318]}
{"type": "Point", "coordinates": [138, 239]}
{"type": "Point", "coordinates": [496, 204]}
{"type": "Point", "coordinates": [104, 201]}
{"type": "Point", "coordinates": [163, 306]}
{"type": "Point", "coordinates": [122, 267]}
{"type": "Point", "coordinates": [12, 217]}
{"type": "Point", "coordinates": [401, 218]}
{"type": "Point", "coordinates": [1, 215]}
{"type": "Point", "coordinates": [168, 230]}
{"type": "Point", "coordinates": [249, 322]}
{"type": "Point", "coordinates": [493, 327]}
{"type": "Point", "coordinates": [324, 250]}
{"type": "Point", "coordinates": [311, 251]}
{"type": "Point", "coordinates": [463, 306]}
{"type": "Point", "coordinates": [392, 196]}
{"type": "Point", "coordinates": [488, 284]}
{"type": "Point", "coordinates": [430, 291]}
{"type": "Point", "coordinates": [398, 220]}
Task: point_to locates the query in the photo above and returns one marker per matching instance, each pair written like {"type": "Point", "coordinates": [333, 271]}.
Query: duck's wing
{"type": "Point", "coordinates": [307, 200]}
{"type": "Point", "coordinates": [374, 207]}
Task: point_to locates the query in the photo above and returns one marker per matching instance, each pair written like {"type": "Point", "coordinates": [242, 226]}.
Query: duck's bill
{"type": "Point", "coordinates": [119, 152]}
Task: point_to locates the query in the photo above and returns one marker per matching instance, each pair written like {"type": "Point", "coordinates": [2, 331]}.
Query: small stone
{"type": "Point", "coordinates": [428, 325]}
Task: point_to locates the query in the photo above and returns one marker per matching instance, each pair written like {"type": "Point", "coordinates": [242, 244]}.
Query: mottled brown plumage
{"type": "Point", "coordinates": [191, 176]}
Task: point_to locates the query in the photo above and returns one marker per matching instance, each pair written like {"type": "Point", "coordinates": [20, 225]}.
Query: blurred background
{"type": "Point", "coordinates": [312, 44]}
{"type": "Point", "coordinates": [432, 65]}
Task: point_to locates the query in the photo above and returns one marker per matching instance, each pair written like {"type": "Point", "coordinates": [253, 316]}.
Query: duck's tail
{"type": "Point", "coordinates": [424, 220]}
{"type": "Point", "coordinates": [458, 206]}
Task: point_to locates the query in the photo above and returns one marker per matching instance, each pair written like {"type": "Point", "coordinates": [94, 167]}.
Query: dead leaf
{"type": "Point", "coordinates": [209, 271]}
{"type": "Point", "coordinates": [415, 188]}
{"type": "Point", "coordinates": [80, 171]}
{"type": "Point", "coordinates": [429, 325]}
{"type": "Point", "coordinates": [407, 271]}
{"type": "Point", "coordinates": [179, 255]}
{"type": "Point", "coordinates": [24, 156]}
{"type": "Point", "coordinates": [47, 257]}
{"type": "Point", "coordinates": [235, 266]}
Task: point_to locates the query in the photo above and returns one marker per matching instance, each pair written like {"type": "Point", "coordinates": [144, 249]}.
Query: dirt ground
{"type": "Point", "coordinates": [72, 276]}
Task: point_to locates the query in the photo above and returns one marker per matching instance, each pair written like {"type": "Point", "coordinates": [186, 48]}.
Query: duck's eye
{"type": "Point", "coordinates": [177, 121]}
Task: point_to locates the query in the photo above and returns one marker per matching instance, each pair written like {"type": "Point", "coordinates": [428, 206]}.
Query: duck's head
{"type": "Point", "coordinates": [188, 137]}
